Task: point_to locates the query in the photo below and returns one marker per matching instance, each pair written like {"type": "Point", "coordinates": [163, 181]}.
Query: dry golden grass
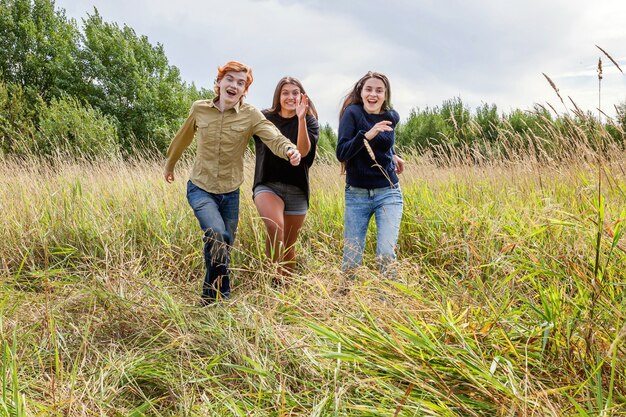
{"type": "Point", "coordinates": [508, 303]}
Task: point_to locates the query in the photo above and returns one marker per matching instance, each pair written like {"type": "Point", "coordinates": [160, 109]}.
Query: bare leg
{"type": "Point", "coordinates": [271, 208]}
{"type": "Point", "coordinates": [293, 224]}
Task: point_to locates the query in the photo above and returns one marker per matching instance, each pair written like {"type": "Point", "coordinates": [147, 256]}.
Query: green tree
{"type": "Point", "coordinates": [621, 115]}
{"type": "Point", "coordinates": [76, 129]}
{"type": "Point", "coordinates": [422, 129]}
{"type": "Point", "coordinates": [17, 129]}
{"type": "Point", "coordinates": [45, 57]}
{"type": "Point", "coordinates": [489, 121]}
{"type": "Point", "coordinates": [131, 79]}
{"type": "Point", "coordinates": [533, 121]}
{"type": "Point", "coordinates": [327, 142]}
{"type": "Point", "coordinates": [617, 129]}
{"type": "Point", "coordinates": [39, 48]}
{"type": "Point", "coordinates": [457, 117]}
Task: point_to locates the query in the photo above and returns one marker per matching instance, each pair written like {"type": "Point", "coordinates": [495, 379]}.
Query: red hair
{"type": "Point", "coordinates": [234, 66]}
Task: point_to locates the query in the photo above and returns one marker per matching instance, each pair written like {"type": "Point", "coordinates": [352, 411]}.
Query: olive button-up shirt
{"type": "Point", "coordinates": [222, 138]}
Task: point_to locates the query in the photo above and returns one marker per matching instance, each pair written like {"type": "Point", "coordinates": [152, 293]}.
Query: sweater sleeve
{"type": "Point", "coordinates": [350, 138]}
{"type": "Point", "coordinates": [395, 120]}
{"type": "Point", "coordinates": [314, 133]}
{"type": "Point", "coordinates": [181, 141]}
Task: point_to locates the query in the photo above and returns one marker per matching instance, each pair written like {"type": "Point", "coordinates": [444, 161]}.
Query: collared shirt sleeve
{"type": "Point", "coordinates": [271, 136]}
{"type": "Point", "coordinates": [181, 141]}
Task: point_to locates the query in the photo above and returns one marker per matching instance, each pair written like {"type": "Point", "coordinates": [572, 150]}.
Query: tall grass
{"type": "Point", "coordinates": [510, 298]}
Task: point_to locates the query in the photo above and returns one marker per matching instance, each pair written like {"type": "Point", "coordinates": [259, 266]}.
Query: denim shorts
{"type": "Point", "coordinates": [295, 200]}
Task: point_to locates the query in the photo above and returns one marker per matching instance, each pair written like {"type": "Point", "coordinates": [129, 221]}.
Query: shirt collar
{"type": "Point", "coordinates": [236, 107]}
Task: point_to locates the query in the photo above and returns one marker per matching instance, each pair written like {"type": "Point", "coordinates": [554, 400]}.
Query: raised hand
{"type": "Point", "coordinates": [383, 126]}
{"type": "Point", "coordinates": [302, 106]}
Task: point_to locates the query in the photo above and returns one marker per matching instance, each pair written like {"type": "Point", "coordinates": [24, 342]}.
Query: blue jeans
{"type": "Point", "coordinates": [385, 204]}
{"type": "Point", "coordinates": [218, 215]}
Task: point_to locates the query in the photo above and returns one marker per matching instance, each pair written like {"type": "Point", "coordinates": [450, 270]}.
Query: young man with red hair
{"type": "Point", "coordinates": [223, 127]}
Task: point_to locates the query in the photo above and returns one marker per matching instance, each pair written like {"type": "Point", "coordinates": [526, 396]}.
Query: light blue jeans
{"type": "Point", "coordinates": [385, 204]}
{"type": "Point", "coordinates": [218, 215]}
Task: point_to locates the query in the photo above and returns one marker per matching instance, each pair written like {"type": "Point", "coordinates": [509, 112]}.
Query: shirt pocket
{"type": "Point", "coordinates": [202, 129]}
{"type": "Point", "coordinates": [236, 138]}
{"type": "Point", "coordinates": [239, 129]}
{"type": "Point", "coordinates": [203, 139]}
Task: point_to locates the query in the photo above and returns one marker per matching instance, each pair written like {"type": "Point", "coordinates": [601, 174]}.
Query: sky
{"type": "Point", "coordinates": [481, 51]}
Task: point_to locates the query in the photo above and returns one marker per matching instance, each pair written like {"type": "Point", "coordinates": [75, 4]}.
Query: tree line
{"type": "Point", "coordinates": [98, 90]}
{"type": "Point", "coordinates": [489, 134]}
{"type": "Point", "coordinates": [102, 89]}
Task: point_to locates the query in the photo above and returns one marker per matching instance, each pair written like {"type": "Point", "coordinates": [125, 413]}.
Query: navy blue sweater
{"type": "Point", "coordinates": [361, 170]}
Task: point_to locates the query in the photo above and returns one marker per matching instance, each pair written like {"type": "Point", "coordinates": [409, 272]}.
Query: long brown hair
{"type": "Point", "coordinates": [235, 66]}
{"type": "Point", "coordinates": [276, 100]}
{"type": "Point", "coordinates": [354, 96]}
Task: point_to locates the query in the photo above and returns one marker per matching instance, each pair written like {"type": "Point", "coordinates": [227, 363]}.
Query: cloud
{"type": "Point", "coordinates": [485, 51]}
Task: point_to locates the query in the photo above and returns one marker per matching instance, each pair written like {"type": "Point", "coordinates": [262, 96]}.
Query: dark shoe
{"type": "Point", "coordinates": [206, 301]}
{"type": "Point", "coordinates": [344, 286]}
{"type": "Point", "coordinates": [347, 281]}
{"type": "Point", "coordinates": [343, 290]}
{"type": "Point", "coordinates": [280, 282]}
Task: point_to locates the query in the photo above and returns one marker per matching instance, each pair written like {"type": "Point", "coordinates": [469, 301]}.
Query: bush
{"type": "Point", "coordinates": [327, 142]}
{"type": "Point", "coordinates": [17, 131]}
{"type": "Point", "coordinates": [489, 121]}
{"type": "Point", "coordinates": [422, 129]}
{"type": "Point", "coordinates": [77, 129]}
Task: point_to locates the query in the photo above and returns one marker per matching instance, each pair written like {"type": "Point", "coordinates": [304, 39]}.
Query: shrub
{"type": "Point", "coordinates": [327, 142]}
{"type": "Point", "coordinates": [75, 128]}
{"type": "Point", "coordinates": [17, 131]}
{"type": "Point", "coordinates": [422, 129]}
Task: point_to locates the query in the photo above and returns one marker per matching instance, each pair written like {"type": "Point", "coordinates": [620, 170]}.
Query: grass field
{"type": "Point", "coordinates": [510, 300]}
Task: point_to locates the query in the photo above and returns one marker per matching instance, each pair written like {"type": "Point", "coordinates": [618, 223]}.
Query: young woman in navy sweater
{"type": "Point", "coordinates": [366, 148]}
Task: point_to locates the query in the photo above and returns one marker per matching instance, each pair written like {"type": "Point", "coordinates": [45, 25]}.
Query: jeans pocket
{"type": "Point", "coordinates": [191, 186]}
{"type": "Point", "coordinates": [195, 195]}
